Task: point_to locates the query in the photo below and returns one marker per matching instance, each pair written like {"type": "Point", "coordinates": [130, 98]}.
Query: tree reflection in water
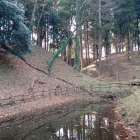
{"type": "Point", "coordinates": [91, 126]}
{"type": "Point", "coordinates": [95, 122]}
{"type": "Point", "coordinates": [98, 125]}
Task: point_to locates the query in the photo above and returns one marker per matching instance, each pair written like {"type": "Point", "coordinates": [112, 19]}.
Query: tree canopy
{"type": "Point", "coordinates": [97, 24]}
{"type": "Point", "coordinates": [14, 35]}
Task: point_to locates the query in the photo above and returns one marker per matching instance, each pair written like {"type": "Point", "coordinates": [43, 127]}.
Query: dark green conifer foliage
{"type": "Point", "coordinates": [14, 35]}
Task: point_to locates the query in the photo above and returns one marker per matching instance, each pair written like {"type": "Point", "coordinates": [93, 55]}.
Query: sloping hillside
{"type": "Point", "coordinates": [21, 79]}
{"type": "Point", "coordinates": [118, 68]}
{"type": "Point", "coordinates": [17, 77]}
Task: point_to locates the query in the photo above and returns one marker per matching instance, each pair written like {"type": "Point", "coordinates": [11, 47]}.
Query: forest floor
{"type": "Point", "coordinates": [120, 69]}
{"type": "Point", "coordinates": [18, 77]}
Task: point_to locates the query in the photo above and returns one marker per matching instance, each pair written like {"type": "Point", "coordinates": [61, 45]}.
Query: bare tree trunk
{"type": "Point", "coordinates": [47, 33]}
{"type": "Point", "coordinates": [97, 55]}
{"type": "Point", "coordinates": [65, 55]}
{"type": "Point", "coordinates": [138, 37]}
{"type": "Point", "coordinates": [77, 49]}
{"type": "Point", "coordinates": [40, 36]}
{"type": "Point", "coordinates": [69, 50]}
{"type": "Point", "coordinates": [94, 51]}
{"type": "Point", "coordinates": [40, 30]}
{"type": "Point", "coordinates": [81, 49]}
{"type": "Point", "coordinates": [85, 41]}
{"type": "Point", "coordinates": [69, 45]}
{"type": "Point", "coordinates": [33, 13]}
{"type": "Point", "coordinates": [120, 47]}
{"type": "Point", "coordinates": [130, 44]}
{"type": "Point", "coordinates": [100, 39]}
{"type": "Point", "coordinates": [138, 43]}
{"type": "Point", "coordinates": [122, 44]}
{"type": "Point", "coordinates": [69, 55]}
{"type": "Point", "coordinates": [116, 44]}
{"type": "Point", "coordinates": [109, 47]}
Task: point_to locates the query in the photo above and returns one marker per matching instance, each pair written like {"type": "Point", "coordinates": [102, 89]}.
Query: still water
{"type": "Point", "coordinates": [92, 122]}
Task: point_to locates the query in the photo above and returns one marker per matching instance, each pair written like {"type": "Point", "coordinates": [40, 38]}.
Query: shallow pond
{"type": "Point", "coordinates": [91, 122]}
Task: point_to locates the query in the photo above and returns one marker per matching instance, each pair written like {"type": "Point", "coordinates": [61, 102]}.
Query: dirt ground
{"type": "Point", "coordinates": [18, 79]}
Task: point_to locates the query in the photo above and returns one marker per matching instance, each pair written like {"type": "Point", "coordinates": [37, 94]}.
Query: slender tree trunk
{"type": "Point", "coordinates": [100, 39]}
{"type": "Point", "coordinates": [85, 41]}
{"type": "Point", "coordinates": [119, 44]}
{"type": "Point", "coordinates": [45, 31]}
{"type": "Point", "coordinates": [138, 37]}
{"type": "Point", "coordinates": [81, 49]}
{"type": "Point", "coordinates": [69, 55]}
{"type": "Point", "coordinates": [69, 50]}
{"type": "Point", "coordinates": [109, 47]}
{"type": "Point", "coordinates": [116, 44]}
{"type": "Point", "coordinates": [122, 44]}
{"type": "Point", "coordinates": [97, 54]}
{"type": "Point", "coordinates": [77, 49]}
{"type": "Point", "coordinates": [69, 46]}
{"type": "Point", "coordinates": [39, 39]}
{"type": "Point", "coordinates": [69, 60]}
{"type": "Point", "coordinates": [138, 43]}
{"type": "Point", "coordinates": [65, 55]}
{"type": "Point", "coordinates": [95, 49]}
{"type": "Point", "coordinates": [33, 13]}
{"type": "Point", "coordinates": [47, 26]}
{"type": "Point", "coordinates": [130, 44]}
